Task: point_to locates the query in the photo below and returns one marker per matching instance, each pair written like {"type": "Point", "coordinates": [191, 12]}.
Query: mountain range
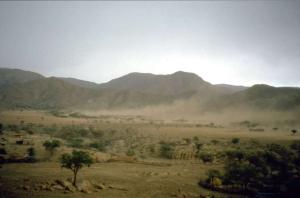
{"type": "Point", "coordinates": [25, 89]}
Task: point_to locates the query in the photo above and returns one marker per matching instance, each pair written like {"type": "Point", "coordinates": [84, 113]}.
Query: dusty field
{"type": "Point", "coordinates": [145, 176]}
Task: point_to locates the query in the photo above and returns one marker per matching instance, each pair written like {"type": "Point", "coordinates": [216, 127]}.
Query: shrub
{"type": "Point", "coordinates": [214, 141]}
{"type": "Point", "coordinates": [294, 131]}
{"type": "Point", "coordinates": [130, 152]}
{"type": "Point", "coordinates": [3, 151]}
{"type": "Point", "coordinates": [235, 140]}
{"type": "Point", "coordinates": [196, 139]}
{"type": "Point", "coordinates": [75, 142]}
{"type": "Point", "coordinates": [206, 157]}
{"type": "Point", "coordinates": [100, 145]}
{"type": "Point", "coordinates": [51, 146]}
{"type": "Point", "coordinates": [187, 140]}
{"type": "Point", "coordinates": [166, 150]}
{"type": "Point", "coordinates": [31, 154]}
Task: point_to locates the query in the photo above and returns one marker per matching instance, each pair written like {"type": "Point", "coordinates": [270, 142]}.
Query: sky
{"type": "Point", "coordinates": [232, 42]}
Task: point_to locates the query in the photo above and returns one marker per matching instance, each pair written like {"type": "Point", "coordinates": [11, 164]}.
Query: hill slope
{"type": "Point", "coordinates": [27, 89]}
{"type": "Point", "coordinates": [260, 97]}
{"type": "Point", "coordinates": [12, 76]}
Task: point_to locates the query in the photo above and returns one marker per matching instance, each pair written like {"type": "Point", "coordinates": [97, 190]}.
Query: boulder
{"type": "Point", "coordinates": [67, 185]}
{"type": "Point", "coordinates": [58, 187]}
{"type": "Point", "coordinates": [100, 186]}
{"type": "Point", "coordinates": [85, 187]}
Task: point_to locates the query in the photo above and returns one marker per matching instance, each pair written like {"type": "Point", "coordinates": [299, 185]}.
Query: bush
{"type": "Point", "coordinates": [214, 141]}
{"type": "Point", "coordinates": [51, 146]}
{"type": "Point", "coordinates": [31, 154]}
{"type": "Point", "coordinates": [3, 151]}
{"type": "Point", "coordinates": [206, 157]}
{"type": "Point", "coordinates": [130, 152]}
{"type": "Point", "coordinates": [166, 150]}
{"type": "Point", "coordinates": [100, 145]}
{"type": "Point", "coordinates": [235, 140]}
{"type": "Point", "coordinates": [195, 139]}
{"type": "Point", "coordinates": [75, 143]}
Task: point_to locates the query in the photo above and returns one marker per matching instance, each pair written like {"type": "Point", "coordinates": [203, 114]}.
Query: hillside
{"type": "Point", "coordinates": [173, 84]}
{"type": "Point", "coordinates": [22, 89]}
{"type": "Point", "coordinates": [260, 97]}
{"type": "Point", "coordinates": [12, 76]}
{"type": "Point", "coordinates": [44, 93]}
{"type": "Point", "coordinates": [80, 83]}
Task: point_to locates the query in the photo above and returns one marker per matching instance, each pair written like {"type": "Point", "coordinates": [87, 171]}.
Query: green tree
{"type": "Point", "coordinates": [75, 162]}
{"type": "Point", "coordinates": [51, 145]}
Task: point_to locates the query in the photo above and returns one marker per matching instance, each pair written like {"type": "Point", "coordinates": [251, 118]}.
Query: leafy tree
{"type": "Point", "coordinates": [75, 162]}
{"type": "Point", "coordinates": [51, 145]}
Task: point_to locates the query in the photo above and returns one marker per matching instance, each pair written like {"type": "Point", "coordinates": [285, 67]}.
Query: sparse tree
{"type": "Point", "coordinates": [75, 162]}
{"type": "Point", "coordinates": [51, 145]}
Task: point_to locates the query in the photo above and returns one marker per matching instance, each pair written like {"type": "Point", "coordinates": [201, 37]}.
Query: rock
{"type": "Point", "coordinates": [85, 187]}
{"type": "Point", "coordinates": [58, 187]}
{"type": "Point", "coordinates": [117, 188]}
{"type": "Point", "coordinates": [100, 186]}
{"type": "Point", "coordinates": [66, 185]}
{"type": "Point", "coordinates": [43, 186]}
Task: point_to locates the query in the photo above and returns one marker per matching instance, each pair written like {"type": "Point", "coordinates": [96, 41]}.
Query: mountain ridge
{"type": "Point", "coordinates": [136, 90]}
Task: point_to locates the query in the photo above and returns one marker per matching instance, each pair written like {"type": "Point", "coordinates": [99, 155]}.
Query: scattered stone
{"type": "Point", "coordinates": [58, 187]}
{"type": "Point", "coordinates": [100, 186]}
{"type": "Point", "coordinates": [85, 187]}
{"type": "Point", "coordinates": [117, 188]}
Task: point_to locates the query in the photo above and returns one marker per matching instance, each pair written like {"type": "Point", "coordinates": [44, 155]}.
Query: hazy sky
{"type": "Point", "coordinates": [235, 42]}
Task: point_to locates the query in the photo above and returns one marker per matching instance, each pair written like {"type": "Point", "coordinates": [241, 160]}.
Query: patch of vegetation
{"type": "Point", "coordinates": [130, 152]}
{"type": "Point", "coordinates": [100, 145]}
{"type": "Point", "coordinates": [166, 150]}
{"type": "Point", "coordinates": [235, 140]}
{"type": "Point", "coordinates": [51, 146]}
{"type": "Point", "coordinates": [3, 151]}
{"type": "Point", "coordinates": [75, 142]}
{"type": "Point", "coordinates": [31, 154]}
{"type": "Point", "coordinates": [206, 157]}
{"type": "Point", "coordinates": [249, 171]}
